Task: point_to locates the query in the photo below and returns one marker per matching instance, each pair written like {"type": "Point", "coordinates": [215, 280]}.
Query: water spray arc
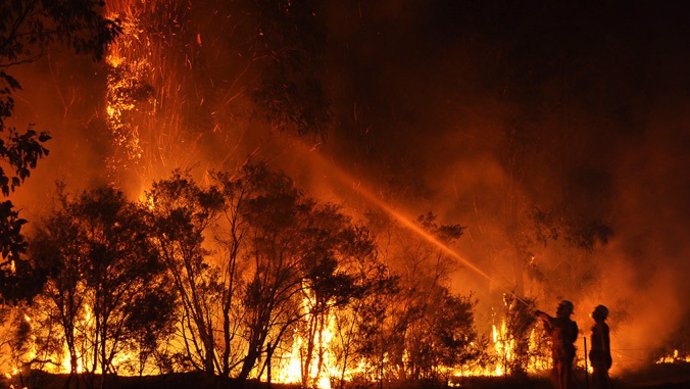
{"type": "Point", "coordinates": [367, 194]}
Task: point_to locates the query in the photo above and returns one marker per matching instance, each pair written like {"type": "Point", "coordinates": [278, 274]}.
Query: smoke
{"type": "Point", "coordinates": [482, 115]}
{"type": "Point", "coordinates": [61, 93]}
{"type": "Point", "coordinates": [479, 113]}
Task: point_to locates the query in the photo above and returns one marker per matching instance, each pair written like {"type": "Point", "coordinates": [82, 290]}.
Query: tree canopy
{"type": "Point", "coordinates": [27, 29]}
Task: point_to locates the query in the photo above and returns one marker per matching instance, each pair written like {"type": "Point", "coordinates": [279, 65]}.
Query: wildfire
{"type": "Point", "coordinates": [503, 354]}
{"type": "Point", "coordinates": [291, 367]}
{"type": "Point", "coordinates": [122, 80]}
{"type": "Point", "coordinates": [148, 68]}
{"type": "Point", "coordinates": [135, 77]}
{"type": "Point", "coordinates": [674, 357]}
{"type": "Point", "coordinates": [502, 350]}
{"type": "Point", "coordinates": [503, 346]}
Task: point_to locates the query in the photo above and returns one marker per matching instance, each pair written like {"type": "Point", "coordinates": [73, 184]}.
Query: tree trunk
{"type": "Point", "coordinates": [247, 365]}
{"type": "Point", "coordinates": [208, 361]}
{"type": "Point", "coordinates": [311, 339]}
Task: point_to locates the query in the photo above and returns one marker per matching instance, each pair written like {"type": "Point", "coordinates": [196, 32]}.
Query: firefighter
{"type": "Point", "coordinates": [563, 332]}
{"type": "Point", "coordinates": [600, 354]}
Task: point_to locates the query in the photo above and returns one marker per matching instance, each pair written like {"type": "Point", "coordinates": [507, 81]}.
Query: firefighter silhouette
{"type": "Point", "coordinates": [600, 353]}
{"type": "Point", "coordinates": [563, 333]}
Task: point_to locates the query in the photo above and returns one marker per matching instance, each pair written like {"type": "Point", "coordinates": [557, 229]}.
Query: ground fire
{"type": "Point", "coordinates": [342, 195]}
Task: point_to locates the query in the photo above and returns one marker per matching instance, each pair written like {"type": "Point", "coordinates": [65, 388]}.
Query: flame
{"type": "Point", "coordinates": [126, 75]}
{"type": "Point", "coordinates": [322, 366]}
{"type": "Point", "coordinates": [86, 323]}
{"type": "Point", "coordinates": [503, 354]}
{"type": "Point", "coordinates": [66, 364]}
{"type": "Point", "coordinates": [290, 370]}
{"type": "Point", "coordinates": [148, 69]}
{"type": "Point", "coordinates": [502, 349]}
{"type": "Point", "coordinates": [146, 201]}
{"type": "Point", "coordinates": [675, 357]}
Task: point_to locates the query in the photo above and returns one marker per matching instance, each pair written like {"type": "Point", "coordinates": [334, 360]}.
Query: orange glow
{"type": "Point", "coordinates": [674, 357]}
{"type": "Point", "coordinates": [322, 367]}
{"type": "Point", "coordinates": [503, 353]}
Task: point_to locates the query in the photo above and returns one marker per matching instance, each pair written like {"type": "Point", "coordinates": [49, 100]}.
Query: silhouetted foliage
{"type": "Point", "coordinates": [151, 324]}
{"type": "Point", "coordinates": [103, 272]}
{"type": "Point", "coordinates": [360, 325]}
{"type": "Point", "coordinates": [296, 250]}
{"type": "Point", "coordinates": [520, 320]}
{"type": "Point", "coordinates": [433, 329]}
{"type": "Point", "coordinates": [419, 326]}
{"type": "Point", "coordinates": [27, 28]}
{"type": "Point", "coordinates": [181, 211]}
{"type": "Point", "coordinates": [232, 274]}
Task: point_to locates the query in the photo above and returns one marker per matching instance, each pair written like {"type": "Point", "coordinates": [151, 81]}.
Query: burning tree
{"type": "Point", "coordinates": [235, 275]}
{"type": "Point", "coordinates": [425, 329]}
{"type": "Point", "coordinates": [181, 212]}
{"type": "Point", "coordinates": [102, 272]}
{"type": "Point", "coordinates": [297, 251]}
{"type": "Point", "coordinates": [363, 328]}
{"type": "Point", "coordinates": [332, 279]}
{"type": "Point", "coordinates": [520, 322]}
{"type": "Point", "coordinates": [358, 326]}
{"type": "Point", "coordinates": [278, 265]}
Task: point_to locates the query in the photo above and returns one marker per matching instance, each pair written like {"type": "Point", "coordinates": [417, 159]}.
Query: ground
{"type": "Point", "coordinates": [654, 377]}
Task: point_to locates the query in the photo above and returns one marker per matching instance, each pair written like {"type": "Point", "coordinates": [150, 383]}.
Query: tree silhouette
{"type": "Point", "coordinates": [103, 272]}
{"type": "Point", "coordinates": [294, 253]}
{"type": "Point", "coordinates": [181, 213]}
{"type": "Point", "coordinates": [27, 29]}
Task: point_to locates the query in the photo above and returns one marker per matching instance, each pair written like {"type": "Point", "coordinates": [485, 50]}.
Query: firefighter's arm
{"type": "Point", "coordinates": [543, 316]}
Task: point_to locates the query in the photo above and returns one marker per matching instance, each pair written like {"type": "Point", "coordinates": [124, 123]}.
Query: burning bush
{"type": "Point", "coordinates": [102, 271]}
{"type": "Point", "coordinates": [245, 277]}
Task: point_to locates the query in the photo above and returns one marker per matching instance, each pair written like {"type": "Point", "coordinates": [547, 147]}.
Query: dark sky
{"type": "Point", "coordinates": [412, 68]}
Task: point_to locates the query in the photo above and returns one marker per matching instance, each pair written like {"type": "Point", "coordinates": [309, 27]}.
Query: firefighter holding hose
{"type": "Point", "coordinates": [563, 333]}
